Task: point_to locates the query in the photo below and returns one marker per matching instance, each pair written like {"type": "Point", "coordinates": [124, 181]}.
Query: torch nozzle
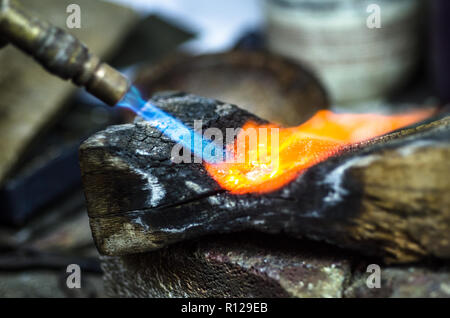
{"type": "Point", "coordinates": [60, 53]}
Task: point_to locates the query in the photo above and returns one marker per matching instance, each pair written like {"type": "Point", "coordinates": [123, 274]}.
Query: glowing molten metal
{"type": "Point", "coordinates": [267, 166]}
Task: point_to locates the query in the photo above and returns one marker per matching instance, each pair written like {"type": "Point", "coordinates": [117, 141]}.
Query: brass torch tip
{"type": "Point", "coordinates": [108, 84]}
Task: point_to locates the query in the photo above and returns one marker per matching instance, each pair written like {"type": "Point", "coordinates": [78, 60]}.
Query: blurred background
{"type": "Point", "coordinates": [280, 59]}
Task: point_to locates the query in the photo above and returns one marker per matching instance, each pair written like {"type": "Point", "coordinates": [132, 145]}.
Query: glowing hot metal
{"type": "Point", "coordinates": [324, 135]}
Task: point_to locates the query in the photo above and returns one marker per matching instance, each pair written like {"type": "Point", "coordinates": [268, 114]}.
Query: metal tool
{"type": "Point", "coordinates": [60, 53]}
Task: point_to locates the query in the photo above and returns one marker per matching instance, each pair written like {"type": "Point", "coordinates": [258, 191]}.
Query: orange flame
{"type": "Point", "coordinates": [264, 167]}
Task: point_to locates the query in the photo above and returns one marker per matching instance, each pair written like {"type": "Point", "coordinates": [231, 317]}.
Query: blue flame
{"type": "Point", "coordinates": [172, 127]}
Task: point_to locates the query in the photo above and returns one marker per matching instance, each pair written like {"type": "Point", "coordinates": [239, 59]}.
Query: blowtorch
{"type": "Point", "coordinates": [64, 55]}
{"type": "Point", "coordinates": [60, 53]}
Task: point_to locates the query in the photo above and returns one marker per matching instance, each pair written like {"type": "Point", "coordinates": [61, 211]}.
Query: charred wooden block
{"type": "Point", "coordinates": [387, 197]}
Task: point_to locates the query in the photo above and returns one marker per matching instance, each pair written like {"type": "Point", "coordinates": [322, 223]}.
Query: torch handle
{"type": "Point", "coordinates": [60, 53]}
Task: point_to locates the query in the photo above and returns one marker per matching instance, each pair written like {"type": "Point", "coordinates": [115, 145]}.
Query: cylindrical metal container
{"type": "Point", "coordinates": [340, 41]}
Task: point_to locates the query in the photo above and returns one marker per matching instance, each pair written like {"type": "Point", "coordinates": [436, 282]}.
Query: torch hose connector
{"type": "Point", "coordinates": [60, 53]}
